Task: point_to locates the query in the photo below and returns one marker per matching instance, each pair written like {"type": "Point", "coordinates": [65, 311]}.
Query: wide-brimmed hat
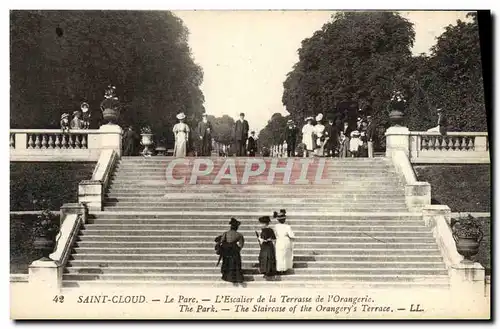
{"type": "Point", "coordinates": [355, 133]}
{"type": "Point", "coordinates": [75, 112]}
{"type": "Point", "coordinates": [84, 106]}
{"type": "Point", "coordinates": [265, 219]}
{"type": "Point", "coordinates": [308, 118]}
{"type": "Point", "coordinates": [290, 121]}
{"type": "Point", "coordinates": [181, 116]}
{"type": "Point", "coordinates": [439, 110]}
{"type": "Point", "coordinates": [234, 222]}
{"type": "Point", "coordinates": [319, 117]}
{"type": "Point", "coordinates": [204, 115]}
{"type": "Point", "coordinates": [64, 115]}
{"type": "Point", "coordinates": [280, 215]}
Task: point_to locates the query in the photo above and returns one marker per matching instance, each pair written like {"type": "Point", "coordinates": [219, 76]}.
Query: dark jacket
{"type": "Point", "coordinates": [332, 133]}
{"type": "Point", "coordinates": [203, 131]}
{"type": "Point", "coordinates": [291, 135]}
{"type": "Point", "coordinates": [241, 130]}
{"type": "Point", "coordinates": [371, 131]}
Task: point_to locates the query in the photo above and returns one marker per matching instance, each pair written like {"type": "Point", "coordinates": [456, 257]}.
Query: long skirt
{"type": "Point", "coordinates": [231, 264]}
{"type": "Point", "coordinates": [284, 254]}
{"type": "Point", "coordinates": [180, 148]}
{"type": "Point", "coordinates": [267, 259]}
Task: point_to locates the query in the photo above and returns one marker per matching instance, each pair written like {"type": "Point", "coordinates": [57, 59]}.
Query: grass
{"type": "Point", "coordinates": [22, 251]}
{"type": "Point", "coordinates": [53, 181]}
{"type": "Point", "coordinates": [463, 188]}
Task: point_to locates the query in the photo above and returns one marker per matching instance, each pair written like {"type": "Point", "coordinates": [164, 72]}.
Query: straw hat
{"type": "Point", "coordinates": [319, 117]}
{"type": "Point", "coordinates": [181, 116]}
{"type": "Point", "coordinates": [280, 215]}
{"type": "Point", "coordinates": [308, 118]}
{"type": "Point", "coordinates": [64, 116]}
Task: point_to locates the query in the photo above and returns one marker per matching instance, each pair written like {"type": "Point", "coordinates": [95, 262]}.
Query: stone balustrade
{"type": "Point", "coordinates": [56, 145]}
{"type": "Point", "coordinates": [454, 147]}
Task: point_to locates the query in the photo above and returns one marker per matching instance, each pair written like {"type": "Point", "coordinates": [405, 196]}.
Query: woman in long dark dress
{"type": "Point", "coordinates": [232, 243]}
{"type": "Point", "coordinates": [267, 255]}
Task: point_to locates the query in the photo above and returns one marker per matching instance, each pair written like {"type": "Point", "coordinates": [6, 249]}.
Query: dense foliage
{"type": "Point", "coordinates": [365, 56]}
{"type": "Point", "coordinates": [62, 58]}
{"type": "Point", "coordinates": [274, 132]}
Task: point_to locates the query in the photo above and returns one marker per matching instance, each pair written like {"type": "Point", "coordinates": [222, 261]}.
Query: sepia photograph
{"type": "Point", "coordinates": [250, 164]}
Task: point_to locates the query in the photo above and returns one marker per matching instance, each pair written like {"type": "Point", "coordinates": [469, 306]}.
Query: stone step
{"type": "Point", "coordinates": [396, 258]}
{"type": "Point", "coordinates": [388, 217]}
{"type": "Point", "coordinates": [283, 189]}
{"type": "Point", "coordinates": [283, 203]}
{"type": "Point", "coordinates": [320, 241]}
{"type": "Point", "coordinates": [437, 282]}
{"type": "Point", "coordinates": [252, 271]}
{"type": "Point", "coordinates": [353, 244]}
{"type": "Point", "coordinates": [148, 180]}
{"type": "Point", "coordinates": [158, 159]}
{"type": "Point", "coordinates": [209, 264]}
{"type": "Point", "coordinates": [192, 198]}
{"type": "Point", "coordinates": [188, 251]}
{"type": "Point", "coordinates": [150, 208]}
{"type": "Point", "coordinates": [157, 170]}
{"type": "Point", "coordinates": [261, 195]}
{"type": "Point", "coordinates": [211, 234]}
{"type": "Point", "coordinates": [145, 225]}
{"type": "Point", "coordinates": [369, 277]}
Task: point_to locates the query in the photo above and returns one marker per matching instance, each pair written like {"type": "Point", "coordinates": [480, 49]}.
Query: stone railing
{"type": "Point", "coordinates": [279, 151]}
{"type": "Point", "coordinates": [56, 145]}
{"type": "Point", "coordinates": [454, 147]}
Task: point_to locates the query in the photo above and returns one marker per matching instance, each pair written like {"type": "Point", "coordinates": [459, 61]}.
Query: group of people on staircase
{"type": "Point", "coordinates": [244, 144]}
{"type": "Point", "coordinates": [336, 139]}
{"type": "Point", "coordinates": [276, 248]}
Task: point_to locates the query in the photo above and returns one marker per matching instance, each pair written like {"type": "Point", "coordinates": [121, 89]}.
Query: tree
{"type": "Point", "coordinates": [455, 74]}
{"type": "Point", "coordinates": [274, 132]}
{"type": "Point", "coordinates": [223, 128]}
{"type": "Point", "coordinates": [358, 56]}
{"type": "Point", "coordinates": [61, 58]}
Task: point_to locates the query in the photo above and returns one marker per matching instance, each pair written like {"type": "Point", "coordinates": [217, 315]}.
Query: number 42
{"type": "Point", "coordinates": [58, 299]}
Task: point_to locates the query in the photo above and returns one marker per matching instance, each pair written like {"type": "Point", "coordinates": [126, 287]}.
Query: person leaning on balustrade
{"type": "Point", "coordinates": [76, 122]}
{"type": "Point", "coordinates": [442, 124]}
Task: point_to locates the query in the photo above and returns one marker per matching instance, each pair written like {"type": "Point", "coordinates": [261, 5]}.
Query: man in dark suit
{"type": "Point", "coordinates": [204, 130]}
{"type": "Point", "coordinates": [291, 138]}
{"type": "Point", "coordinates": [332, 134]}
{"type": "Point", "coordinates": [241, 135]}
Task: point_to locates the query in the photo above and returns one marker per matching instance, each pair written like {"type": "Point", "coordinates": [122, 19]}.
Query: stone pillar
{"type": "Point", "coordinates": [479, 144]}
{"type": "Point", "coordinates": [111, 138]}
{"type": "Point", "coordinates": [397, 138]}
{"type": "Point", "coordinates": [468, 281]}
{"type": "Point", "coordinates": [45, 276]}
{"type": "Point", "coordinates": [430, 211]}
{"type": "Point", "coordinates": [90, 194]}
{"type": "Point", "coordinates": [74, 208]}
{"type": "Point", "coordinates": [418, 195]}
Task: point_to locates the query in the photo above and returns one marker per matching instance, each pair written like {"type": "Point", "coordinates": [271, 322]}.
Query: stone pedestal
{"type": "Point", "coordinates": [111, 138]}
{"type": "Point", "coordinates": [468, 281]}
{"type": "Point", "coordinates": [90, 194]}
{"type": "Point", "coordinates": [397, 138]}
{"type": "Point", "coordinates": [74, 208]}
{"type": "Point", "coordinates": [45, 276]}
{"type": "Point", "coordinates": [418, 195]}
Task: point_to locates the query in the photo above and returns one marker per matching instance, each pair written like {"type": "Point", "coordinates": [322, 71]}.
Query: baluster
{"type": "Point", "coordinates": [424, 143]}
{"type": "Point", "coordinates": [84, 142]}
{"type": "Point", "coordinates": [432, 143]}
{"type": "Point", "coordinates": [463, 145]}
{"type": "Point", "coordinates": [57, 144]}
{"type": "Point", "coordinates": [37, 142]}
{"type": "Point", "coordinates": [456, 144]}
{"type": "Point", "coordinates": [11, 142]}
{"type": "Point", "coordinates": [64, 143]}
{"type": "Point", "coordinates": [51, 142]}
{"type": "Point", "coordinates": [44, 141]}
{"type": "Point", "coordinates": [472, 143]}
{"type": "Point", "coordinates": [71, 141]}
{"type": "Point", "coordinates": [446, 143]}
{"type": "Point", "coordinates": [77, 141]}
{"type": "Point", "coordinates": [30, 141]}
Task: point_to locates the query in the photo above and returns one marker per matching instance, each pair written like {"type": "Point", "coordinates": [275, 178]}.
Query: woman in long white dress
{"type": "Point", "coordinates": [318, 134]}
{"type": "Point", "coordinates": [284, 243]}
{"type": "Point", "coordinates": [307, 136]}
{"type": "Point", "coordinates": [181, 133]}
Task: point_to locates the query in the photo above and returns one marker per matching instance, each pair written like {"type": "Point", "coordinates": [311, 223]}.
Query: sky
{"type": "Point", "coordinates": [245, 55]}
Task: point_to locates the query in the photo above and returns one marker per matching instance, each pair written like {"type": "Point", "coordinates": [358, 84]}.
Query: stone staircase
{"type": "Point", "coordinates": [355, 231]}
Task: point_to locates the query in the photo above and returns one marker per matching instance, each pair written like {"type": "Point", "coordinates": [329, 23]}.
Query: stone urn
{"type": "Point", "coordinates": [110, 106]}
{"type": "Point", "coordinates": [146, 140]}
{"type": "Point", "coordinates": [396, 109]}
{"type": "Point", "coordinates": [467, 235]}
{"type": "Point", "coordinates": [45, 231]}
